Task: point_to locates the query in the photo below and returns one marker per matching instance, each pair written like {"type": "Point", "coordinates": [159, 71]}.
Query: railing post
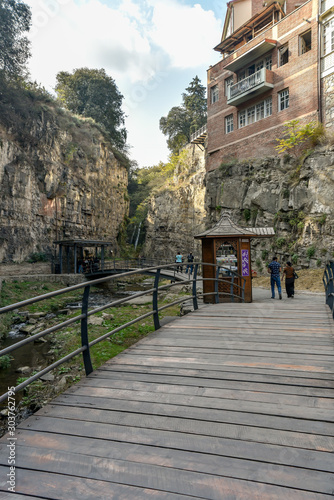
{"type": "Point", "coordinates": [231, 287]}
{"type": "Point", "coordinates": [195, 304]}
{"type": "Point", "coordinates": [155, 301]}
{"type": "Point", "coordinates": [216, 286]}
{"type": "Point", "coordinates": [84, 332]}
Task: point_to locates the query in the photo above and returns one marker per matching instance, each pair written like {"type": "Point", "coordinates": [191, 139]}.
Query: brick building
{"type": "Point", "coordinates": [277, 65]}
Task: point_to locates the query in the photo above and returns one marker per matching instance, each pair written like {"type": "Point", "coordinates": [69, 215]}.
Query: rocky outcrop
{"type": "Point", "coordinates": [177, 212]}
{"type": "Point", "coordinates": [297, 200]}
{"type": "Point", "coordinates": [60, 180]}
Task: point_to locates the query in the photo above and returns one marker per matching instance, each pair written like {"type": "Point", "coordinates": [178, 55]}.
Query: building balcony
{"type": "Point", "coordinates": [326, 5]}
{"type": "Point", "coordinates": [258, 83]}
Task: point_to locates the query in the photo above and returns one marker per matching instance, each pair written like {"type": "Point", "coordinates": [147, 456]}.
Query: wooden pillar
{"type": "Point", "coordinates": [208, 271]}
{"type": "Point", "coordinates": [102, 257]}
{"type": "Point", "coordinates": [68, 260]}
{"type": "Point", "coordinates": [75, 259]}
{"type": "Point", "coordinates": [245, 268]}
{"type": "Point", "coordinates": [60, 259]}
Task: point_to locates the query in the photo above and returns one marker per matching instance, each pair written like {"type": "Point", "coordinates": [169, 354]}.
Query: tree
{"type": "Point", "coordinates": [15, 21]}
{"type": "Point", "coordinates": [184, 120]}
{"type": "Point", "coordinates": [92, 93]}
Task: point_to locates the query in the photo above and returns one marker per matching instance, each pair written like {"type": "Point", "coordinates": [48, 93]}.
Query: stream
{"type": "Point", "coordinates": [35, 355]}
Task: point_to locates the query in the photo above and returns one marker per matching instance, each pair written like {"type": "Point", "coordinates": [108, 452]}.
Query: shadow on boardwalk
{"type": "Point", "coordinates": [234, 401]}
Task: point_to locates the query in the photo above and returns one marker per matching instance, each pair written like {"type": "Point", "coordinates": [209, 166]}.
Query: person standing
{"type": "Point", "coordinates": [289, 273]}
{"type": "Point", "coordinates": [190, 264]}
{"type": "Point", "coordinates": [178, 260]}
{"type": "Point", "coordinates": [274, 269]}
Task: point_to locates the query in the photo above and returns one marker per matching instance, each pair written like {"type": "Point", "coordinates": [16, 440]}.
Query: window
{"type": "Point", "coordinates": [228, 83]}
{"type": "Point", "coordinates": [228, 124]}
{"type": "Point", "coordinates": [242, 119]}
{"type": "Point", "coordinates": [250, 115]}
{"type": "Point", "coordinates": [283, 100]}
{"type": "Point", "coordinates": [255, 113]}
{"type": "Point", "coordinates": [305, 42]}
{"type": "Point", "coordinates": [329, 37]}
{"type": "Point", "coordinates": [214, 94]}
{"type": "Point", "coordinates": [260, 111]}
{"type": "Point", "coordinates": [283, 55]}
{"type": "Point", "coordinates": [268, 62]}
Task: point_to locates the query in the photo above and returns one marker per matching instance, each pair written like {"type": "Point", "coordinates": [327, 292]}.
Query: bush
{"type": "Point", "coordinates": [300, 137]}
{"type": "Point", "coordinates": [294, 258]}
{"type": "Point", "coordinates": [5, 362]}
{"type": "Point", "coordinates": [310, 251]}
{"type": "Point", "coordinates": [280, 242]}
{"type": "Point", "coordinates": [38, 257]}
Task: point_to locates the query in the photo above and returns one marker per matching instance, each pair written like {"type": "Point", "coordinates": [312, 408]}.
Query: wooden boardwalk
{"type": "Point", "coordinates": [234, 401]}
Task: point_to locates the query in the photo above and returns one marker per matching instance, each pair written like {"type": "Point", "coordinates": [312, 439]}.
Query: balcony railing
{"type": "Point", "coordinates": [257, 82]}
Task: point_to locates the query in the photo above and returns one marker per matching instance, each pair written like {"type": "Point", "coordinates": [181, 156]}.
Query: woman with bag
{"type": "Point", "coordinates": [290, 276]}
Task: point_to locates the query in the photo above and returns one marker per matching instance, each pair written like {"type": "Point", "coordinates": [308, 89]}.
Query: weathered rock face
{"type": "Point", "coordinates": [298, 202]}
{"type": "Point", "coordinates": [66, 185]}
{"type": "Point", "coordinates": [177, 213]}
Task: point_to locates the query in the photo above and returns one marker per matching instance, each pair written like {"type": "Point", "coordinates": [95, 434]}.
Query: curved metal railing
{"type": "Point", "coordinates": [328, 281]}
{"type": "Point", "coordinates": [85, 313]}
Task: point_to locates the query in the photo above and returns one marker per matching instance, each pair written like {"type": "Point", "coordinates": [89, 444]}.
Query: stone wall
{"type": "Point", "coordinates": [66, 185]}
{"type": "Point", "coordinates": [297, 202]}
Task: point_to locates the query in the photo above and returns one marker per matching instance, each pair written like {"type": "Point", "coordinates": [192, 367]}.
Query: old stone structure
{"type": "Point", "coordinates": [67, 185]}
{"type": "Point", "coordinates": [277, 65]}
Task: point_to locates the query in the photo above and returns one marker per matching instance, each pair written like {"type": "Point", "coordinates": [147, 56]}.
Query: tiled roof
{"type": "Point", "coordinates": [226, 227]}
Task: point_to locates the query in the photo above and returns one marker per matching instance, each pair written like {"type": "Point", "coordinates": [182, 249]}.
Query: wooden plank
{"type": "Point", "coordinates": [205, 414]}
{"type": "Point", "coordinates": [210, 485]}
{"type": "Point", "coordinates": [236, 383]}
{"type": "Point", "coordinates": [195, 453]}
{"type": "Point", "coordinates": [190, 427]}
{"type": "Point", "coordinates": [208, 392]}
{"type": "Point", "coordinates": [297, 379]}
{"type": "Point", "coordinates": [64, 487]}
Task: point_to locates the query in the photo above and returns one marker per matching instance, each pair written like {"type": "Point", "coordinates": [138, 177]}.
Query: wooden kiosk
{"type": "Point", "coordinates": [228, 245]}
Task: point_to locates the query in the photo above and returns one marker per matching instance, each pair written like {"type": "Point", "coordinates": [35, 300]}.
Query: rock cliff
{"type": "Point", "coordinates": [59, 179]}
{"type": "Point", "coordinates": [177, 212]}
{"type": "Point", "coordinates": [297, 200]}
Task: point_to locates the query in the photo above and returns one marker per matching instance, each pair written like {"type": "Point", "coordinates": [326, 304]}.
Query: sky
{"type": "Point", "coordinates": [151, 48]}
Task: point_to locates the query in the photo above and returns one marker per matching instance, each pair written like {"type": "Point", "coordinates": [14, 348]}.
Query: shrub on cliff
{"type": "Point", "coordinates": [92, 93]}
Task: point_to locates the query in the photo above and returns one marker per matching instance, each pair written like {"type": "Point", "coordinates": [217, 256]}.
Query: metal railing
{"type": "Point", "coordinates": [328, 281]}
{"type": "Point", "coordinates": [198, 133]}
{"type": "Point", "coordinates": [85, 313]}
{"type": "Point", "coordinates": [246, 84]}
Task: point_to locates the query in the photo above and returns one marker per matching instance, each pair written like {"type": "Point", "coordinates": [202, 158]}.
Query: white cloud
{"type": "Point", "coordinates": [187, 33]}
{"type": "Point", "coordinates": [143, 44]}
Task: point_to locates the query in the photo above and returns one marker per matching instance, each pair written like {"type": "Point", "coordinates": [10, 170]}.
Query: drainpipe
{"type": "Point", "coordinates": [320, 117]}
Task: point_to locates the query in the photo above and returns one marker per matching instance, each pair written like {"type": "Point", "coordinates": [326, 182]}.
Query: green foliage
{"type": "Point", "coordinates": [297, 136]}
{"type": "Point", "coordinates": [310, 251]}
{"type": "Point", "coordinates": [5, 361]}
{"type": "Point", "coordinates": [294, 258]}
{"type": "Point", "coordinates": [322, 219]}
{"type": "Point", "coordinates": [15, 20]}
{"type": "Point", "coordinates": [319, 262]}
{"type": "Point", "coordinates": [280, 242]}
{"type": "Point", "coordinates": [38, 257]}
{"type": "Point", "coordinates": [264, 254]}
{"type": "Point", "coordinates": [184, 120]}
{"type": "Point", "coordinates": [247, 214]}
{"type": "Point", "coordinates": [92, 93]}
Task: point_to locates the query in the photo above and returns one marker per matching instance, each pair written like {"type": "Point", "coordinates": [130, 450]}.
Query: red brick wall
{"type": "Point", "coordinates": [299, 75]}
